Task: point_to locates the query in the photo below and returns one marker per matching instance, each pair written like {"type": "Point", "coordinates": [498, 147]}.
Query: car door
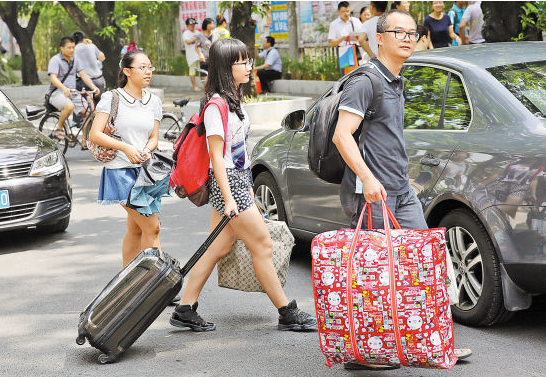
{"type": "Point", "coordinates": [314, 204]}
{"type": "Point", "coordinates": [437, 115]}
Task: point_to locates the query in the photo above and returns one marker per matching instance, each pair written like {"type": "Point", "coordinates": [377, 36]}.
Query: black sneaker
{"type": "Point", "coordinates": [186, 316]}
{"type": "Point", "coordinates": [292, 318]}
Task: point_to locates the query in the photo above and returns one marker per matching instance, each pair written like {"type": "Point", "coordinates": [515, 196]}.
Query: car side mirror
{"type": "Point", "coordinates": [294, 121]}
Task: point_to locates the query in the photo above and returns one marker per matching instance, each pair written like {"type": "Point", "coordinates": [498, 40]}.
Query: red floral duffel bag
{"type": "Point", "coordinates": [381, 297]}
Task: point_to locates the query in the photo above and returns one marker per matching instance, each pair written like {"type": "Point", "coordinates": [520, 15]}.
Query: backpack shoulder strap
{"type": "Point", "coordinates": [222, 106]}
{"type": "Point", "coordinates": [377, 88]}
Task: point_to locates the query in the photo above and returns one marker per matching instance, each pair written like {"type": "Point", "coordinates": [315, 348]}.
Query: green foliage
{"type": "Point", "coordinates": [15, 62]}
{"type": "Point", "coordinates": [178, 66]}
{"type": "Point", "coordinates": [260, 8]}
{"type": "Point", "coordinates": [322, 68]}
{"type": "Point", "coordinates": [258, 99]}
{"type": "Point", "coordinates": [534, 16]}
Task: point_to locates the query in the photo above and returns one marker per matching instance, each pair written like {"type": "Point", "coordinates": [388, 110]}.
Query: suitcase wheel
{"type": "Point", "coordinates": [105, 359]}
{"type": "Point", "coordinates": [80, 340]}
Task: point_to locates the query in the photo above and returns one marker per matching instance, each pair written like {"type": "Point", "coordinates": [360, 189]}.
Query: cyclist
{"type": "Point", "coordinates": [62, 69]}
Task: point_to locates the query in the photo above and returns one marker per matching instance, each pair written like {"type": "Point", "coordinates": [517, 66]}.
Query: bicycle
{"type": "Point", "coordinates": [50, 119]}
{"type": "Point", "coordinates": [172, 123]}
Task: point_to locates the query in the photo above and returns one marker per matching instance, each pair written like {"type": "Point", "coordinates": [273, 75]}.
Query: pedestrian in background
{"type": "Point", "coordinates": [230, 67]}
{"type": "Point", "coordinates": [272, 67]}
{"type": "Point", "coordinates": [137, 122]}
{"type": "Point", "coordinates": [343, 30]}
{"type": "Point", "coordinates": [365, 14]}
{"type": "Point", "coordinates": [368, 31]}
{"type": "Point", "coordinates": [440, 27]}
{"type": "Point", "coordinates": [423, 42]}
{"type": "Point", "coordinates": [204, 40]}
{"type": "Point", "coordinates": [401, 5]}
{"type": "Point", "coordinates": [456, 15]}
{"type": "Point", "coordinates": [89, 57]}
{"type": "Point", "coordinates": [192, 51]}
{"type": "Point", "coordinates": [221, 27]}
{"type": "Point", "coordinates": [473, 18]}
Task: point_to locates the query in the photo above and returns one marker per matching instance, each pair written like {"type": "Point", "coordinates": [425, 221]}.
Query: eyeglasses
{"type": "Point", "coordinates": [250, 62]}
{"type": "Point", "coordinates": [144, 69]}
{"type": "Point", "coordinates": [401, 35]}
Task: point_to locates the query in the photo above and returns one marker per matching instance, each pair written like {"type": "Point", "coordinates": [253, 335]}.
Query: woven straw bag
{"type": "Point", "coordinates": [235, 270]}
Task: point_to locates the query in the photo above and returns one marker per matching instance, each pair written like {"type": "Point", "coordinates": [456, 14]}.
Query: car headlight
{"type": "Point", "coordinates": [49, 164]}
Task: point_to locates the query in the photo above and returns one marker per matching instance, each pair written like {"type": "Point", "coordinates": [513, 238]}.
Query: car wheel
{"type": "Point", "coordinates": [268, 197]}
{"type": "Point", "coordinates": [477, 271]}
{"type": "Point", "coordinates": [57, 227]}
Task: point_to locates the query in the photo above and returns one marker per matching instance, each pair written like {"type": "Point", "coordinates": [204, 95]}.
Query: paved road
{"type": "Point", "coordinates": [46, 280]}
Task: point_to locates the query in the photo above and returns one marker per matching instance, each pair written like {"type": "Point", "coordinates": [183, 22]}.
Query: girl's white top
{"type": "Point", "coordinates": [236, 139]}
{"type": "Point", "coordinates": [134, 121]}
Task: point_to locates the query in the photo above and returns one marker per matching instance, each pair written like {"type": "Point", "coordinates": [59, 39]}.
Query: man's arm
{"type": "Point", "coordinates": [363, 40]}
{"type": "Point", "coordinates": [462, 32]}
{"type": "Point", "coordinates": [59, 85]}
{"type": "Point", "coordinates": [347, 124]}
{"type": "Point", "coordinates": [336, 42]}
{"type": "Point", "coordinates": [452, 35]}
{"type": "Point", "coordinates": [87, 80]}
{"type": "Point", "coordinates": [263, 66]}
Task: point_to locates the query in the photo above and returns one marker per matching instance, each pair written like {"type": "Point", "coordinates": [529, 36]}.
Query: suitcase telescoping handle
{"type": "Point", "coordinates": [203, 248]}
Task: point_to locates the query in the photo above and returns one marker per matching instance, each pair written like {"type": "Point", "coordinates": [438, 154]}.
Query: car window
{"type": "Point", "coordinates": [457, 113]}
{"type": "Point", "coordinates": [527, 82]}
{"type": "Point", "coordinates": [424, 92]}
{"type": "Point", "coordinates": [8, 113]}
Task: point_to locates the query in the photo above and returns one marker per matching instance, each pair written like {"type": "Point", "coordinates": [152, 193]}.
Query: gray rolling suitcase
{"type": "Point", "coordinates": [134, 298]}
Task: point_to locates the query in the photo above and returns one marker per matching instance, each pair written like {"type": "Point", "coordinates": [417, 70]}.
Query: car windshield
{"type": "Point", "coordinates": [8, 113]}
{"type": "Point", "coordinates": [526, 81]}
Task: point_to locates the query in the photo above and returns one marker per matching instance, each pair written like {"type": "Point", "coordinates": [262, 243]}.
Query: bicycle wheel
{"type": "Point", "coordinates": [169, 128]}
{"type": "Point", "coordinates": [48, 125]}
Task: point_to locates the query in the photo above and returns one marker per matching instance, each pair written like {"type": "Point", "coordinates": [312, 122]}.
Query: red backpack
{"type": "Point", "coordinates": [190, 174]}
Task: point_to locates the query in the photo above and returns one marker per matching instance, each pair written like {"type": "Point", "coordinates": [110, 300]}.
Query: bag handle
{"type": "Point", "coordinates": [386, 209]}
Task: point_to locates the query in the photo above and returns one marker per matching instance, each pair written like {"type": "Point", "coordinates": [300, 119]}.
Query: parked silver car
{"type": "Point", "coordinates": [476, 139]}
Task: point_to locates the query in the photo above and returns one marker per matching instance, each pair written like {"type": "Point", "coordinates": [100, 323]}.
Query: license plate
{"type": "Point", "coordinates": [4, 199]}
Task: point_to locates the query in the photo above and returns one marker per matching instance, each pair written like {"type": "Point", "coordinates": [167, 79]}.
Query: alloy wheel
{"type": "Point", "coordinates": [468, 266]}
{"type": "Point", "coordinates": [266, 202]}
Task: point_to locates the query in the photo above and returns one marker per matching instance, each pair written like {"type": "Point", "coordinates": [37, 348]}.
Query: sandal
{"type": "Point", "coordinates": [59, 134]}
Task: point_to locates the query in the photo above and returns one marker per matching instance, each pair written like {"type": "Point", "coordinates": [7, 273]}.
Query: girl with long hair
{"type": "Point", "coordinates": [137, 122]}
{"type": "Point", "coordinates": [231, 190]}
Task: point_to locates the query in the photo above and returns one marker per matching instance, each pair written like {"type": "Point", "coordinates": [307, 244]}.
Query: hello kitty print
{"type": "Point", "coordinates": [362, 295]}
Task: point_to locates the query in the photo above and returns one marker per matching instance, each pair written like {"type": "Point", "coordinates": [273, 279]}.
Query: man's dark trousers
{"type": "Point", "coordinates": [266, 76]}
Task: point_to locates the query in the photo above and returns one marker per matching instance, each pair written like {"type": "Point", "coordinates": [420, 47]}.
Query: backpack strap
{"type": "Point", "coordinates": [222, 106]}
{"type": "Point", "coordinates": [377, 88]}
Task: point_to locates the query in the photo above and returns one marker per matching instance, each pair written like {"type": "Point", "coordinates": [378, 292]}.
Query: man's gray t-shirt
{"type": "Point", "coordinates": [473, 16]}
{"type": "Point", "coordinates": [87, 55]}
{"type": "Point", "coordinates": [382, 138]}
{"type": "Point", "coordinates": [59, 66]}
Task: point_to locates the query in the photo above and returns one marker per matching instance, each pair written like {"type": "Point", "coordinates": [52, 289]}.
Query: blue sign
{"type": "Point", "coordinates": [4, 199]}
{"type": "Point", "coordinates": [279, 20]}
{"type": "Point", "coordinates": [306, 12]}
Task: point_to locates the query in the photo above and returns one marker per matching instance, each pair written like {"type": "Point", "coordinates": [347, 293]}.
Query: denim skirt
{"type": "Point", "coordinates": [116, 184]}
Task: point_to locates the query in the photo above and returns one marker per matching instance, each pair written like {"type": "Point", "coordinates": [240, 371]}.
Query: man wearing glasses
{"type": "Point", "coordinates": [377, 167]}
{"type": "Point", "coordinates": [272, 67]}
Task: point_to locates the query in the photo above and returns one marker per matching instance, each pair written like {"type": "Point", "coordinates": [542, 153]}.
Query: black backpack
{"type": "Point", "coordinates": [323, 157]}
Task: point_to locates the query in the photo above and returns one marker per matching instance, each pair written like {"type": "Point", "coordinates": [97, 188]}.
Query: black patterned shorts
{"type": "Point", "coordinates": [240, 184]}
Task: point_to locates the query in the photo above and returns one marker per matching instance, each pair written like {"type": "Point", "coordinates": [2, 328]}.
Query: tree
{"type": "Point", "coordinates": [11, 12]}
{"type": "Point", "coordinates": [502, 22]}
{"type": "Point", "coordinates": [293, 47]}
{"type": "Point", "coordinates": [98, 21]}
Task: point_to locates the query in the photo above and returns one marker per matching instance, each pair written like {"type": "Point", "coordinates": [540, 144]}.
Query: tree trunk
{"type": "Point", "coordinates": [293, 48]}
{"type": "Point", "coordinates": [502, 21]}
{"type": "Point", "coordinates": [29, 71]}
{"type": "Point", "coordinates": [111, 47]}
{"type": "Point", "coordinates": [23, 36]}
{"type": "Point", "coordinates": [242, 27]}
